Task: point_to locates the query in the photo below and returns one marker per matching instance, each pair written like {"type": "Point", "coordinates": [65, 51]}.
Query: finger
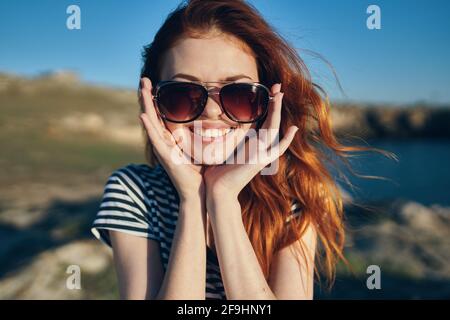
{"type": "Point", "coordinates": [279, 149]}
{"type": "Point", "coordinates": [165, 136]}
{"type": "Point", "coordinates": [274, 115]}
{"type": "Point", "coordinates": [271, 125]}
{"type": "Point", "coordinates": [245, 148]}
{"type": "Point", "coordinates": [150, 111]}
{"type": "Point", "coordinates": [155, 137]}
{"type": "Point", "coordinates": [149, 107]}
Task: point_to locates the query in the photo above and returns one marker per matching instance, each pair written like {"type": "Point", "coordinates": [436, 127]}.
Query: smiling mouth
{"type": "Point", "coordinates": [211, 134]}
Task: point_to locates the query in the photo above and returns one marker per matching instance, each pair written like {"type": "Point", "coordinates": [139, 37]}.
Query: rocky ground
{"type": "Point", "coordinates": [407, 240]}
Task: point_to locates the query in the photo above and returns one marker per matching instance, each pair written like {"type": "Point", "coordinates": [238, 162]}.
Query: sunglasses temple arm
{"type": "Point", "coordinates": [160, 115]}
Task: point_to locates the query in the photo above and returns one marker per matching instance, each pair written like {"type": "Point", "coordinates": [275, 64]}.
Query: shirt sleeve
{"type": "Point", "coordinates": [296, 211]}
{"type": "Point", "coordinates": [124, 207]}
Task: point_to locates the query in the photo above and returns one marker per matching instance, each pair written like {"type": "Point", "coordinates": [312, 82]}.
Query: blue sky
{"type": "Point", "coordinates": [404, 62]}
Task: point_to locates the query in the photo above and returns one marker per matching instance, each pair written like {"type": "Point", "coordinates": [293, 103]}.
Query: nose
{"type": "Point", "coordinates": [212, 109]}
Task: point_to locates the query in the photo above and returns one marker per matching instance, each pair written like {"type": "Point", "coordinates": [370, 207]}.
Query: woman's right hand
{"type": "Point", "coordinates": [186, 176]}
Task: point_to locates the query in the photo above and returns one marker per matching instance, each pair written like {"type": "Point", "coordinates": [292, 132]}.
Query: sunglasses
{"type": "Point", "coordinates": [181, 102]}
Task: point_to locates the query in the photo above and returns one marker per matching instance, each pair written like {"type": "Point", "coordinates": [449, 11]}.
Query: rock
{"type": "Point", "coordinates": [46, 276]}
{"type": "Point", "coordinates": [422, 218]}
{"type": "Point", "coordinates": [410, 240]}
{"type": "Point", "coordinates": [109, 128]}
{"type": "Point", "coordinates": [85, 122]}
{"type": "Point", "coordinates": [59, 76]}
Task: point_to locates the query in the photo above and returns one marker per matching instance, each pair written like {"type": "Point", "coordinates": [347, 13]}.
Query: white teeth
{"type": "Point", "coordinates": [211, 133]}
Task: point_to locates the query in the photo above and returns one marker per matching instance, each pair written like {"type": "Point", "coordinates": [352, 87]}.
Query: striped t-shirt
{"type": "Point", "coordinates": [142, 201]}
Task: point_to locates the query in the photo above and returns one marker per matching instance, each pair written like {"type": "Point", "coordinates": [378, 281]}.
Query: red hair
{"type": "Point", "coordinates": [302, 176]}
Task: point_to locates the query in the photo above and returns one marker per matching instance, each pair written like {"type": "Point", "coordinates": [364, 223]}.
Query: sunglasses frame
{"type": "Point", "coordinates": [212, 91]}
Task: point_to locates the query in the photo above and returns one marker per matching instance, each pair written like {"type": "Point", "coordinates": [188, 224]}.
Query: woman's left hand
{"type": "Point", "coordinates": [227, 180]}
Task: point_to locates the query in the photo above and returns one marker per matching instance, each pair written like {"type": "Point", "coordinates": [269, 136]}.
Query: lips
{"type": "Point", "coordinates": [211, 131]}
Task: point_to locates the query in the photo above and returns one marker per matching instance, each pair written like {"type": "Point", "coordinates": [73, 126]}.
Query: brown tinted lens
{"type": "Point", "coordinates": [244, 101]}
{"type": "Point", "coordinates": [180, 101]}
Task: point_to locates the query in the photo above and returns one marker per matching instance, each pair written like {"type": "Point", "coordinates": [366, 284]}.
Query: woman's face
{"type": "Point", "coordinates": [216, 58]}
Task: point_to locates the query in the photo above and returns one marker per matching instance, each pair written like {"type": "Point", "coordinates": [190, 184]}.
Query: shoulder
{"type": "Point", "coordinates": [127, 204]}
{"type": "Point", "coordinates": [149, 184]}
{"type": "Point", "coordinates": [138, 176]}
{"type": "Point", "coordinates": [138, 170]}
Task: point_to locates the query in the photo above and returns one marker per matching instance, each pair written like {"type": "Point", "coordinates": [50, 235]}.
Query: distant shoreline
{"type": "Point", "coordinates": [417, 121]}
{"type": "Point", "coordinates": [363, 120]}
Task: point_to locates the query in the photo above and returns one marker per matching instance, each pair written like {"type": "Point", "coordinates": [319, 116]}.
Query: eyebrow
{"type": "Point", "coordinates": [194, 78]}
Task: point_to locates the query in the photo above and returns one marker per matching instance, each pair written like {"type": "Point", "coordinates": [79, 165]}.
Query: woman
{"type": "Point", "coordinates": [206, 228]}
